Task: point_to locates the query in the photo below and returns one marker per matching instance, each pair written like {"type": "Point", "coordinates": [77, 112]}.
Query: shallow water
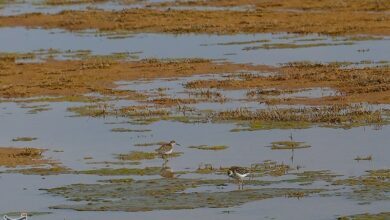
{"type": "Point", "coordinates": [79, 137]}
{"type": "Point", "coordinates": [193, 46]}
{"type": "Point", "coordinates": [332, 149]}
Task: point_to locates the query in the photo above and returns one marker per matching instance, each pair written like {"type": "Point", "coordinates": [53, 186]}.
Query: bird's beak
{"type": "Point", "coordinates": [178, 144]}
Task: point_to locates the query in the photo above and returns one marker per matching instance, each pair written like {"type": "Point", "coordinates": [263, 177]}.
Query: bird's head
{"type": "Point", "coordinates": [173, 143]}
{"type": "Point", "coordinates": [230, 173]}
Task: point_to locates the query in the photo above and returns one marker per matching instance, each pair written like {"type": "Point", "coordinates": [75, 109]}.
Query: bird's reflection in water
{"type": "Point", "coordinates": [166, 171]}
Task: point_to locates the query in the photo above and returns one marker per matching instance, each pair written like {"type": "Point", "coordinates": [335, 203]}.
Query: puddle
{"type": "Point", "coordinates": [193, 46]}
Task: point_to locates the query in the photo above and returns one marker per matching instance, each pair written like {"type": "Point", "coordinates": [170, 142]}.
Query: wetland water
{"type": "Point", "coordinates": [289, 183]}
{"type": "Point", "coordinates": [233, 48]}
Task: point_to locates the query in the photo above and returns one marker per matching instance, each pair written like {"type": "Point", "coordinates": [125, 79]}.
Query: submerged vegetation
{"type": "Point", "coordinates": [163, 194]}
{"type": "Point", "coordinates": [288, 145]}
{"type": "Point", "coordinates": [24, 139]}
{"type": "Point", "coordinates": [122, 171]}
{"type": "Point", "coordinates": [212, 148]}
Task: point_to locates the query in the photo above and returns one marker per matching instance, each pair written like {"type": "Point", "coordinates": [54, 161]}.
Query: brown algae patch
{"type": "Point", "coordinates": [211, 148]}
{"type": "Point", "coordinates": [162, 194]}
{"type": "Point", "coordinates": [288, 145]}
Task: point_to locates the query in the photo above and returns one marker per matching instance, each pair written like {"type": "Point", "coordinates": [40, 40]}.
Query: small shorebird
{"type": "Point", "coordinates": [166, 149]}
{"type": "Point", "coordinates": [238, 173]}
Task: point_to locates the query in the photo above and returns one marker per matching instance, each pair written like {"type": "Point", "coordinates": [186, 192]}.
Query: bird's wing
{"type": "Point", "coordinates": [163, 148]}
{"type": "Point", "coordinates": [242, 170]}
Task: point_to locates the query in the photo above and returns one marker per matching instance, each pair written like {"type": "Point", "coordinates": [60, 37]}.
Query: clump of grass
{"type": "Point", "coordinates": [127, 180]}
{"type": "Point", "coordinates": [37, 110]}
{"type": "Point", "coordinates": [237, 43]}
{"type": "Point", "coordinates": [269, 125]}
{"type": "Point", "coordinates": [335, 114]}
{"type": "Point", "coordinates": [129, 130]}
{"type": "Point", "coordinates": [295, 194]}
{"type": "Point", "coordinates": [206, 147]}
{"type": "Point", "coordinates": [16, 56]}
{"type": "Point", "coordinates": [97, 110]}
{"type": "Point", "coordinates": [29, 152]}
{"type": "Point", "coordinates": [205, 169]}
{"type": "Point", "coordinates": [359, 158]}
{"type": "Point", "coordinates": [24, 139]}
{"type": "Point", "coordinates": [136, 112]}
{"type": "Point", "coordinates": [173, 101]}
{"type": "Point", "coordinates": [288, 145]}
